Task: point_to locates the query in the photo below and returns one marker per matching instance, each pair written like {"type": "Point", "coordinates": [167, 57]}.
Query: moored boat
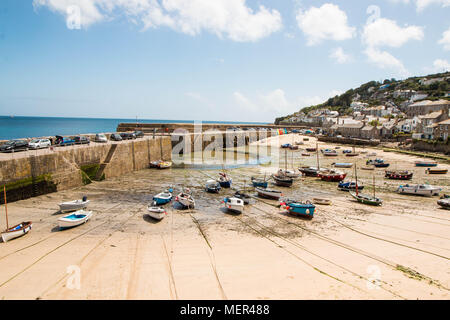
{"type": "Point", "coordinates": [425, 164]}
{"type": "Point", "coordinates": [305, 209]}
{"type": "Point", "coordinates": [352, 154]}
{"type": "Point", "coordinates": [165, 165]}
{"type": "Point", "coordinates": [349, 185]}
{"type": "Point", "coordinates": [224, 180]}
{"type": "Point", "coordinates": [311, 149]}
{"type": "Point", "coordinates": [343, 165]}
{"type": "Point", "coordinates": [283, 181]}
{"type": "Point", "coordinates": [398, 175]}
{"type": "Point", "coordinates": [269, 194]}
{"type": "Point", "coordinates": [323, 202]}
{"type": "Point", "coordinates": [436, 171]}
{"type": "Point", "coordinates": [163, 197]}
{"type": "Point", "coordinates": [289, 173]}
{"type": "Point", "coordinates": [16, 231]}
{"type": "Point", "coordinates": [243, 196]}
{"type": "Point", "coordinates": [185, 199]}
{"type": "Point", "coordinates": [366, 199]}
{"type": "Point", "coordinates": [419, 189]}
{"type": "Point", "coordinates": [444, 203]}
{"type": "Point", "coordinates": [74, 205]}
{"type": "Point", "coordinates": [259, 183]}
{"type": "Point", "coordinates": [381, 165]}
{"type": "Point", "coordinates": [234, 204]}
{"type": "Point", "coordinates": [157, 213]}
{"type": "Point", "coordinates": [332, 176]}
{"type": "Point", "coordinates": [74, 219]}
{"type": "Point", "coordinates": [212, 186]}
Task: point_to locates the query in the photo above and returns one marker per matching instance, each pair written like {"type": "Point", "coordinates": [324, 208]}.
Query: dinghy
{"type": "Point", "coordinates": [164, 165]}
{"type": "Point", "coordinates": [425, 164]}
{"type": "Point", "coordinates": [323, 202]}
{"type": "Point", "coordinates": [186, 200]}
{"type": "Point", "coordinates": [269, 194]}
{"type": "Point", "coordinates": [366, 199]}
{"type": "Point", "coordinates": [74, 205]}
{"type": "Point", "coordinates": [157, 213]}
{"type": "Point", "coordinates": [311, 149]}
{"type": "Point", "coordinates": [234, 205]}
{"type": "Point", "coordinates": [343, 165]}
{"type": "Point", "coordinates": [243, 196]}
{"type": "Point", "coordinates": [419, 189]}
{"type": "Point", "coordinates": [282, 181]}
{"type": "Point", "coordinates": [332, 176]}
{"type": "Point", "coordinates": [444, 203]}
{"type": "Point", "coordinates": [74, 219]}
{"type": "Point", "coordinates": [163, 197]}
{"type": "Point", "coordinates": [259, 183]}
{"type": "Point", "coordinates": [436, 171]}
{"type": "Point", "coordinates": [224, 180]}
{"type": "Point", "coordinates": [212, 186]}
{"type": "Point", "coordinates": [305, 209]}
{"type": "Point", "coordinates": [16, 231]}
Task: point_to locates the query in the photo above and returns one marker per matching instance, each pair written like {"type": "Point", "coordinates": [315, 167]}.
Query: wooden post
{"type": "Point", "coordinates": [6, 207]}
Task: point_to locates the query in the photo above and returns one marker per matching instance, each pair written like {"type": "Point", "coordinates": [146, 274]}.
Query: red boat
{"type": "Point", "coordinates": [332, 176]}
{"type": "Point", "coordinates": [398, 175]}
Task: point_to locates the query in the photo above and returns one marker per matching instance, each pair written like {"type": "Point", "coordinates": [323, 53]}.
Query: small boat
{"type": "Point", "coordinates": [299, 143]}
{"type": "Point", "coordinates": [352, 154]}
{"type": "Point", "coordinates": [332, 176]}
{"type": "Point", "coordinates": [346, 151]}
{"type": "Point", "coordinates": [305, 139]}
{"type": "Point", "coordinates": [155, 164]}
{"type": "Point", "coordinates": [323, 202]}
{"type": "Point", "coordinates": [289, 173]}
{"type": "Point", "coordinates": [259, 183]}
{"type": "Point", "coordinates": [306, 154]}
{"type": "Point", "coordinates": [286, 145]}
{"type": "Point", "coordinates": [212, 186]}
{"type": "Point", "coordinates": [305, 209]}
{"type": "Point", "coordinates": [163, 197]}
{"type": "Point", "coordinates": [366, 199]}
{"type": "Point", "coordinates": [185, 199]}
{"type": "Point", "coordinates": [329, 153]}
{"type": "Point", "coordinates": [419, 189]}
{"type": "Point", "coordinates": [436, 171]}
{"type": "Point", "coordinates": [374, 161]}
{"type": "Point", "coordinates": [350, 185]}
{"type": "Point", "coordinates": [165, 165]}
{"type": "Point", "coordinates": [425, 164]}
{"type": "Point", "coordinates": [367, 168]}
{"type": "Point", "coordinates": [157, 213]}
{"type": "Point", "coordinates": [234, 205]}
{"type": "Point", "coordinates": [224, 180]}
{"type": "Point", "coordinates": [381, 165]}
{"type": "Point", "coordinates": [243, 196]}
{"type": "Point", "coordinates": [16, 231]}
{"type": "Point", "coordinates": [74, 219]}
{"type": "Point", "coordinates": [74, 205]}
{"type": "Point", "coordinates": [337, 148]}
{"type": "Point", "coordinates": [343, 165]}
{"type": "Point", "coordinates": [309, 171]}
{"type": "Point", "coordinates": [311, 149]}
{"type": "Point", "coordinates": [283, 181]}
{"type": "Point", "coordinates": [293, 147]}
{"type": "Point", "coordinates": [444, 203]}
{"type": "Point", "coordinates": [398, 175]}
{"type": "Point", "coordinates": [269, 194]}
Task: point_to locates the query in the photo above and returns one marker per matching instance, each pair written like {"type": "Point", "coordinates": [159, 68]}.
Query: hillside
{"type": "Point", "coordinates": [435, 86]}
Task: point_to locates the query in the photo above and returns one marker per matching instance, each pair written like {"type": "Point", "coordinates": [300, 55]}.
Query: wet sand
{"type": "Point", "coordinates": [400, 250]}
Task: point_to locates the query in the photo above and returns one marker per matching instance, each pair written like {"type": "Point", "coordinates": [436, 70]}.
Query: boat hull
{"type": "Point", "coordinates": [436, 171]}
{"type": "Point", "coordinates": [80, 218]}
{"type": "Point", "coordinates": [444, 203]}
{"type": "Point", "coordinates": [332, 177]}
{"type": "Point", "coordinates": [269, 194]}
{"type": "Point", "coordinates": [304, 210]}
{"type": "Point", "coordinates": [156, 213]}
{"type": "Point", "coordinates": [73, 206]}
{"type": "Point", "coordinates": [365, 199]}
{"type": "Point", "coordinates": [426, 164]}
{"type": "Point", "coordinates": [16, 232]}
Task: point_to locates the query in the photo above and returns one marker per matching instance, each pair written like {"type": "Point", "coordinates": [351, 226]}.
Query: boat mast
{"type": "Point", "coordinates": [356, 178]}
{"type": "Point", "coordinates": [6, 207]}
{"type": "Point", "coordinates": [285, 160]}
{"type": "Point", "coordinates": [317, 153]}
{"type": "Point", "coordinates": [373, 185]}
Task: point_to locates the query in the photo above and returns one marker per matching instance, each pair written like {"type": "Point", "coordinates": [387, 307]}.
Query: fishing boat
{"type": "Point", "coordinates": [234, 204]}
{"type": "Point", "coordinates": [163, 197]}
{"type": "Point", "coordinates": [74, 219]}
{"type": "Point", "coordinates": [398, 175]}
{"type": "Point", "coordinates": [323, 202]}
{"type": "Point", "coordinates": [282, 180]}
{"type": "Point", "coordinates": [365, 198]}
{"type": "Point", "coordinates": [349, 185]}
{"type": "Point", "coordinates": [297, 208]}
{"type": "Point", "coordinates": [243, 196]}
{"type": "Point", "coordinates": [425, 164]}
{"type": "Point", "coordinates": [224, 180]}
{"type": "Point", "coordinates": [74, 205]}
{"type": "Point", "coordinates": [343, 165]}
{"type": "Point", "coordinates": [332, 176]}
{"type": "Point", "coordinates": [381, 165]}
{"type": "Point", "coordinates": [212, 186]}
{"type": "Point", "coordinates": [269, 194]}
{"type": "Point", "coordinates": [259, 182]}
{"type": "Point", "coordinates": [444, 203]}
{"type": "Point", "coordinates": [419, 189]}
{"type": "Point", "coordinates": [436, 171]}
{"type": "Point", "coordinates": [157, 213]}
{"type": "Point", "coordinates": [185, 199]}
{"type": "Point", "coordinates": [16, 231]}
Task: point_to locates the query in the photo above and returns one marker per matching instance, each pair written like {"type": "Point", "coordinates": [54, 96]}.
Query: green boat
{"type": "Point", "coordinates": [365, 198]}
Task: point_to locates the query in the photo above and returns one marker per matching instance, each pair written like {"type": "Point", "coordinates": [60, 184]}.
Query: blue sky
{"type": "Point", "coordinates": [229, 60]}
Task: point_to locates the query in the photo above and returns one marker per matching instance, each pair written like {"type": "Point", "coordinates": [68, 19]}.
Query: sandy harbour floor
{"type": "Point", "coordinates": [400, 250]}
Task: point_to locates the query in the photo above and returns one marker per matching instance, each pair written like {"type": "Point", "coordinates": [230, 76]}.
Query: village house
{"type": "Point", "coordinates": [378, 111]}
{"type": "Point", "coordinates": [441, 129]}
{"type": "Point", "coordinates": [388, 129]}
{"type": "Point", "coordinates": [408, 125]}
{"type": "Point", "coordinates": [427, 121]}
{"type": "Point", "coordinates": [370, 132]}
{"type": "Point", "coordinates": [349, 130]}
{"type": "Point", "coordinates": [405, 94]}
{"type": "Point", "coordinates": [426, 106]}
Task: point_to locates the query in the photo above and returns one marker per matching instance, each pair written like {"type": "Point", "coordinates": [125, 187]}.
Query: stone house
{"type": "Point", "coordinates": [370, 132]}
{"type": "Point", "coordinates": [441, 129]}
{"type": "Point", "coordinates": [428, 120]}
{"type": "Point", "coordinates": [426, 106]}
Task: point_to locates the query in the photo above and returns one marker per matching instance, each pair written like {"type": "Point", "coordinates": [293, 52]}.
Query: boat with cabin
{"type": "Point", "coordinates": [74, 205]}
{"type": "Point", "coordinates": [299, 208]}
{"type": "Point", "coordinates": [419, 189]}
{"type": "Point", "coordinates": [234, 204]}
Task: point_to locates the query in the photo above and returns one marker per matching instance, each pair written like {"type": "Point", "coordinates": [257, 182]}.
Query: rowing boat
{"type": "Point", "coordinates": [16, 231]}
{"type": "Point", "coordinates": [74, 219]}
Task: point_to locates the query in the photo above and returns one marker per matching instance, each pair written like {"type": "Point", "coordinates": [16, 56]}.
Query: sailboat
{"type": "Point", "coordinates": [365, 198]}
{"type": "Point", "coordinates": [312, 171]}
{"type": "Point", "coordinates": [17, 230]}
{"type": "Point", "coordinates": [282, 178]}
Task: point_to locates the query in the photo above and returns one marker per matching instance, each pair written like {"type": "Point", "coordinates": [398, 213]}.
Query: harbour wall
{"type": "Point", "coordinates": [352, 141]}
{"type": "Point", "coordinates": [43, 171]}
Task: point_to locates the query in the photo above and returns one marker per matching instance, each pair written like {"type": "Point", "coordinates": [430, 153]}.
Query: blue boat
{"type": "Point", "coordinates": [285, 146]}
{"type": "Point", "coordinates": [259, 183]}
{"type": "Point", "coordinates": [224, 180]}
{"type": "Point", "coordinates": [302, 209]}
{"type": "Point", "coordinates": [350, 185]}
{"type": "Point", "coordinates": [163, 197]}
{"type": "Point", "coordinates": [426, 164]}
{"type": "Point", "coordinates": [212, 186]}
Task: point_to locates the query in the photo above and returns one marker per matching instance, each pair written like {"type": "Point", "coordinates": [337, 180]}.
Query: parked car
{"type": "Point", "coordinates": [139, 134]}
{"type": "Point", "coordinates": [100, 137]}
{"type": "Point", "coordinates": [14, 146]}
{"type": "Point", "coordinates": [116, 137]}
{"type": "Point", "coordinates": [39, 144]}
{"type": "Point", "coordinates": [81, 140]}
{"type": "Point", "coordinates": [63, 141]}
{"type": "Point", "coordinates": [127, 135]}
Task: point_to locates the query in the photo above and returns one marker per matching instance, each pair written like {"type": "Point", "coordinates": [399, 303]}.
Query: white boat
{"type": "Point", "coordinates": [74, 219]}
{"type": "Point", "coordinates": [419, 189]}
{"type": "Point", "coordinates": [234, 204]}
{"type": "Point", "coordinates": [186, 200]}
{"type": "Point", "coordinates": [269, 194]}
{"type": "Point", "coordinates": [156, 212]}
{"type": "Point", "coordinates": [289, 173]}
{"type": "Point", "coordinates": [16, 231]}
{"type": "Point", "coordinates": [343, 164]}
{"type": "Point", "coordinates": [74, 205]}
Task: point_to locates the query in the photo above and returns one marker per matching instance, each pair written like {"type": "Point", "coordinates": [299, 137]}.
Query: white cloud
{"type": "Point", "coordinates": [441, 65]}
{"type": "Point", "coordinates": [325, 23]}
{"type": "Point", "coordinates": [422, 4]}
{"type": "Point", "coordinates": [225, 18]}
{"type": "Point", "coordinates": [445, 41]}
{"type": "Point", "coordinates": [385, 32]}
{"type": "Point", "coordinates": [339, 55]}
{"type": "Point", "coordinates": [385, 60]}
